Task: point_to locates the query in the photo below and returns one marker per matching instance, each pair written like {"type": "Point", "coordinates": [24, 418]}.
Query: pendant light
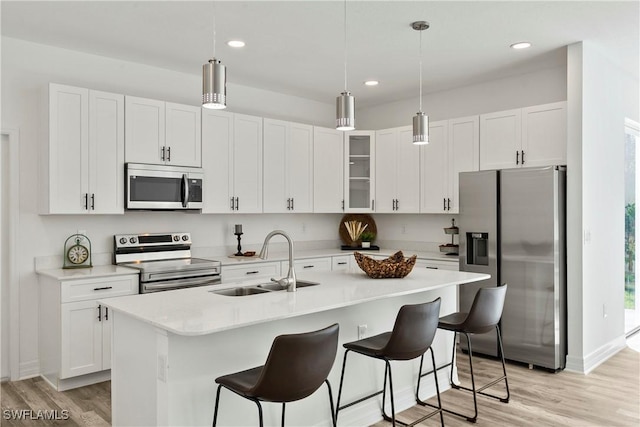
{"type": "Point", "coordinates": [214, 79]}
{"type": "Point", "coordinates": [420, 120]}
{"type": "Point", "coordinates": [345, 103]}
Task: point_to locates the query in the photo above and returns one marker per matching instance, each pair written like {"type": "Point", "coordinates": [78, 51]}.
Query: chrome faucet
{"type": "Point", "coordinates": [288, 282]}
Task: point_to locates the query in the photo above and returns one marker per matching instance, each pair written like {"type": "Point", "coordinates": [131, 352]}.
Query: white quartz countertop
{"type": "Point", "coordinates": [88, 273]}
{"type": "Point", "coordinates": [197, 311]}
{"type": "Point", "coordinates": [321, 253]}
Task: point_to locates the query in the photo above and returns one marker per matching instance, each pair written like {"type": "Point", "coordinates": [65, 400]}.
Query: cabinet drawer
{"type": "Point", "coordinates": [81, 290]}
{"type": "Point", "coordinates": [251, 271]}
{"type": "Point", "coordinates": [341, 263]}
{"type": "Point", "coordinates": [442, 265]}
{"type": "Point", "coordinates": [311, 264]}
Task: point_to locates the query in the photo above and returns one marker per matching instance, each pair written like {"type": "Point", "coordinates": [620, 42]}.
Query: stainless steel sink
{"type": "Point", "coordinates": [240, 292]}
{"type": "Point", "coordinates": [261, 289]}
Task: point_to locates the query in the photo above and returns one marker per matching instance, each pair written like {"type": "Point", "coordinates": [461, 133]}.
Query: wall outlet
{"type": "Point", "coordinates": [362, 331]}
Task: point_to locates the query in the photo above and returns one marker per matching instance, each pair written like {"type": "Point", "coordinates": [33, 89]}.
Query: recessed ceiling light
{"type": "Point", "coordinates": [236, 43]}
{"type": "Point", "coordinates": [521, 45]}
{"type": "Point", "coordinates": [371, 83]}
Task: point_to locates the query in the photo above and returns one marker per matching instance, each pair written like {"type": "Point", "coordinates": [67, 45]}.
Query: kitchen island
{"type": "Point", "coordinates": [169, 347]}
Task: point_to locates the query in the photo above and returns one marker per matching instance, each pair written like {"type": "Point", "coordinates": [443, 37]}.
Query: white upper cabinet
{"type": "Point", "coordinates": [328, 175]}
{"type": "Point", "coordinates": [183, 135]}
{"type": "Point", "coordinates": [359, 169]}
{"type": "Point", "coordinates": [544, 135]}
{"type": "Point", "coordinates": [526, 137]}
{"type": "Point", "coordinates": [159, 132]}
{"type": "Point", "coordinates": [232, 162]}
{"type": "Point", "coordinates": [397, 171]}
{"type": "Point", "coordinates": [453, 148]}
{"type": "Point", "coordinates": [287, 167]}
{"type": "Point", "coordinates": [83, 156]}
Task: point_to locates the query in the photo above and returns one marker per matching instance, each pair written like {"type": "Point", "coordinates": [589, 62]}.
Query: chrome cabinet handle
{"type": "Point", "coordinates": [168, 154]}
{"type": "Point", "coordinates": [342, 204]}
{"type": "Point", "coordinates": [93, 201]}
{"type": "Point", "coordinates": [162, 154]}
{"type": "Point", "coordinates": [444, 204]}
{"type": "Point", "coordinates": [432, 268]}
{"type": "Point", "coordinates": [252, 272]}
{"type": "Point", "coordinates": [237, 203]}
{"type": "Point", "coordinates": [99, 313]}
{"type": "Point", "coordinates": [86, 201]}
{"type": "Point", "coordinates": [342, 263]}
{"type": "Point", "coordinates": [292, 204]}
{"type": "Point", "coordinates": [103, 288]}
{"type": "Point", "coordinates": [522, 157]}
{"type": "Point", "coordinates": [308, 266]}
{"type": "Point", "coordinates": [232, 205]}
{"type": "Point", "coordinates": [106, 313]}
{"type": "Point", "coordinates": [448, 204]}
{"type": "Point", "coordinates": [397, 204]}
{"type": "Point", "coordinates": [517, 157]}
{"type": "Point", "coordinates": [288, 204]}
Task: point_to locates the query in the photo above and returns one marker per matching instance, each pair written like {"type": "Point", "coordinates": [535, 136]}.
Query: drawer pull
{"type": "Point", "coordinates": [308, 266]}
{"type": "Point", "coordinates": [106, 313]}
{"type": "Point", "coordinates": [252, 272]}
{"type": "Point", "coordinates": [103, 289]}
{"type": "Point", "coordinates": [99, 313]}
{"type": "Point", "coordinates": [433, 268]}
{"type": "Point", "coordinates": [342, 263]}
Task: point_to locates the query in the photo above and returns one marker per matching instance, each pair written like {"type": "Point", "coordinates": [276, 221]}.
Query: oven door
{"type": "Point", "coordinates": [169, 285]}
{"type": "Point", "coordinates": [156, 187]}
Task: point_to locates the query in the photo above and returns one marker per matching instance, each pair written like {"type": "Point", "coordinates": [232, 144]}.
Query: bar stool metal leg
{"type": "Point", "coordinates": [333, 412]}
{"type": "Point", "coordinates": [215, 410]}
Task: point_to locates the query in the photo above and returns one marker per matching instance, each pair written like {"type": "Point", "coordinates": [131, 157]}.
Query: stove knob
{"type": "Point", "coordinates": [123, 240]}
{"type": "Point", "coordinates": [185, 237]}
{"type": "Point", "coordinates": [132, 240]}
{"type": "Point", "coordinates": [176, 238]}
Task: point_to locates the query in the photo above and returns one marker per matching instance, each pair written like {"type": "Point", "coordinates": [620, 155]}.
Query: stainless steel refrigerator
{"type": "Point", "coordinates": [512, 226]}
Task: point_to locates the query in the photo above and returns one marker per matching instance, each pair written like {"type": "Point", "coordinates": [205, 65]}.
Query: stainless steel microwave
{"type": "Point", "coordinates": [158, 187]}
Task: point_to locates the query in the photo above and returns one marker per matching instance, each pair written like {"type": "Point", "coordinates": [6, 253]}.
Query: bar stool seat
{"type": "Point", "coordinates": [412, 336]}
{"type": "Point", "coordinates": [297, 365]}
{"type": "Point", "coordinates": [484, 316]}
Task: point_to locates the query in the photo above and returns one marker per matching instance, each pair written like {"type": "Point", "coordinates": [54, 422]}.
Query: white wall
{"type": "Point", "coordinates": [598, 105]}
{"type": "Point", "coordinates": [28, 67]}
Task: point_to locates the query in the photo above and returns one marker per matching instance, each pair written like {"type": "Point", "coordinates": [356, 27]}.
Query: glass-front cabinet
{"type": "Point", "coordinates": [360, 177]}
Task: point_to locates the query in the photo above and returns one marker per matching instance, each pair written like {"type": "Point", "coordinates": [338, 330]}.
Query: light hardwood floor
{"type": "Point", "coordinates": [609, 396]}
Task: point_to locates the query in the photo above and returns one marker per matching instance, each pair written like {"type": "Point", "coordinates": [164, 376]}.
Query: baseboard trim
{"type": "Point", "coordinates": [595, 358]}
{"type": "Point", "coordinates": [29, 369]}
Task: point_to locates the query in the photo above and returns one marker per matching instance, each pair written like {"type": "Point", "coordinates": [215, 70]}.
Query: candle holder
{"type": "Point", "coordinates": [239, 253]}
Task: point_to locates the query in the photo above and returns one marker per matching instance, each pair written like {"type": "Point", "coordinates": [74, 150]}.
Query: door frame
{"type": "Point", "coordinates": [13, 135]}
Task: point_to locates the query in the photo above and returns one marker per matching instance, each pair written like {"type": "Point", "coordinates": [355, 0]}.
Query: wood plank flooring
{"type": "Point", "coordinates": [609, 396]}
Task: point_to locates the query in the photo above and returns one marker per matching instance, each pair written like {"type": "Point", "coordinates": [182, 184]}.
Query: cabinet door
{"type": "Point", "coordinates": [408, 172]}
{"type": "Point", "coordinates": [386, 169]}
{"type": "Point", "coordinates": [106, 338]}
{"type": "Point", "coordinates": [81, 339]}
{"type": "Point", "coordinates": [276, 196]}
{"type": "Point", "coordinates": [433, 169]}
{"type": "Point", "coordinates": [328, 176]}
{"type": "Point", "coordinates": [360, 171]}
{"type": "Point", "coordinates": [106, 153]}
{"type": "Point", "coordinates": [544, 135]}
{"type": "Point", "coordinates": [68, 150]}
{"type": "Point", "coordinates": [247, 163]}
{"type": "Point", "coordinates": [183, 135]}
{"type": "Point", "coordinates": [300, 167]}
{"type": "Point", "coordinates": [463, 152]}
{"type": "Point", "coordinates": [307, 265]}
{"type": "Point", "coordinates": [217, 158]}
{"type": "Point", "coordinates": [144, 130]}
{"type": "Point", "coordinates": [437, 265]}
{"type": "Point", "coordinates": [500, 140]}
{"type": "Point", "coordinates": [341, 263]}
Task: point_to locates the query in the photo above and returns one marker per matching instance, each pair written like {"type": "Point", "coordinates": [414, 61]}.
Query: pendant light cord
{"type": "Point", "coordinates": [421, 71]}
{"type": "Point", "coordinates": [214, 29]}
{"type": "Point", "coordinates": [345, 45]}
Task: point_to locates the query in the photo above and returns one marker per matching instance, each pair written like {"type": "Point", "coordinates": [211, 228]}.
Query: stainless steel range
{"type": "Point", "coordinates": [164, 261]}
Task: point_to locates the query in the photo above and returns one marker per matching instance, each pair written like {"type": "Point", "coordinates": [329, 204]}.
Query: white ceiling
{"type": "Point", "coordinates": [297, 47]}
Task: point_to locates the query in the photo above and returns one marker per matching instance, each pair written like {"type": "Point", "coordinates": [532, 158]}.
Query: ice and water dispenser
{"type": "Point", "coordinates": [477, 248]}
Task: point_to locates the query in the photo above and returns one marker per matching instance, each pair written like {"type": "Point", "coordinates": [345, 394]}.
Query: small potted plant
{"type": "Point", "coordinates": [367, 237]}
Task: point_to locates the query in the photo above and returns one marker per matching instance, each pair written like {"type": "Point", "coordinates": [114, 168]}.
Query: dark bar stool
{"type": "Point", "coordinates": [483, 317]}
{"type": "Point", "coordinates": [296, 367]}
{"type": "Point", "coordinates": [412, 335]}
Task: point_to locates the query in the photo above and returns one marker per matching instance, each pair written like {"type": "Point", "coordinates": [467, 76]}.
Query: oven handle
{"type": "Point", "coordinates": [185, 190]}
{"type": "Point", "coordinates": [181, 283]}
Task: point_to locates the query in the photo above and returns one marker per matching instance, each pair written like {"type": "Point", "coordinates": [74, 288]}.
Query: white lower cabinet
{"type": "Point", "coordinates": [341, 263]}
{"type": "Point", "coordinates": [75, 330]}
{"type": "Point", "coordinates": [232, 273]}
{"type": "Point", "coordinates": [437, 265]}
{"type": "Point", "coordinates": [305, 265]}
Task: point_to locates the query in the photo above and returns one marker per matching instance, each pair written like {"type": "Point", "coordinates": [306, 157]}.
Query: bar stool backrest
{"type": "Point", "coordinates": [414, 330]}
{"type": "Point", "coordinates": [486, 310]}
{"type": "Point", "coordinates": [297, 365]}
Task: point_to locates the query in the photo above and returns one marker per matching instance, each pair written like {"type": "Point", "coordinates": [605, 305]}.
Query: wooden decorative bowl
{"type": "Point", "coordinates": [396, 266]}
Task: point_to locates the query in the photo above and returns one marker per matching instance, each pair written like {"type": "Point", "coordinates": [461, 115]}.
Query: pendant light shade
{"type": "Point", "coordinates": [214, 85]}
{"type": "Point", "coordinates": [345, 103]}
{"type": "Point", "coordinates": [214, 78]}
{"type": "Point", "coordinates": [420, 120]}
{"type": "Point", "coordinates": [345, 111]}
{"type": "Point", "coordinates": [420, 128]}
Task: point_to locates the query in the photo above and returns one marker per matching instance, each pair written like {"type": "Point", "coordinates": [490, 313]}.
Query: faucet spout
{"type": "Point", "coordinates": [290, 280]}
